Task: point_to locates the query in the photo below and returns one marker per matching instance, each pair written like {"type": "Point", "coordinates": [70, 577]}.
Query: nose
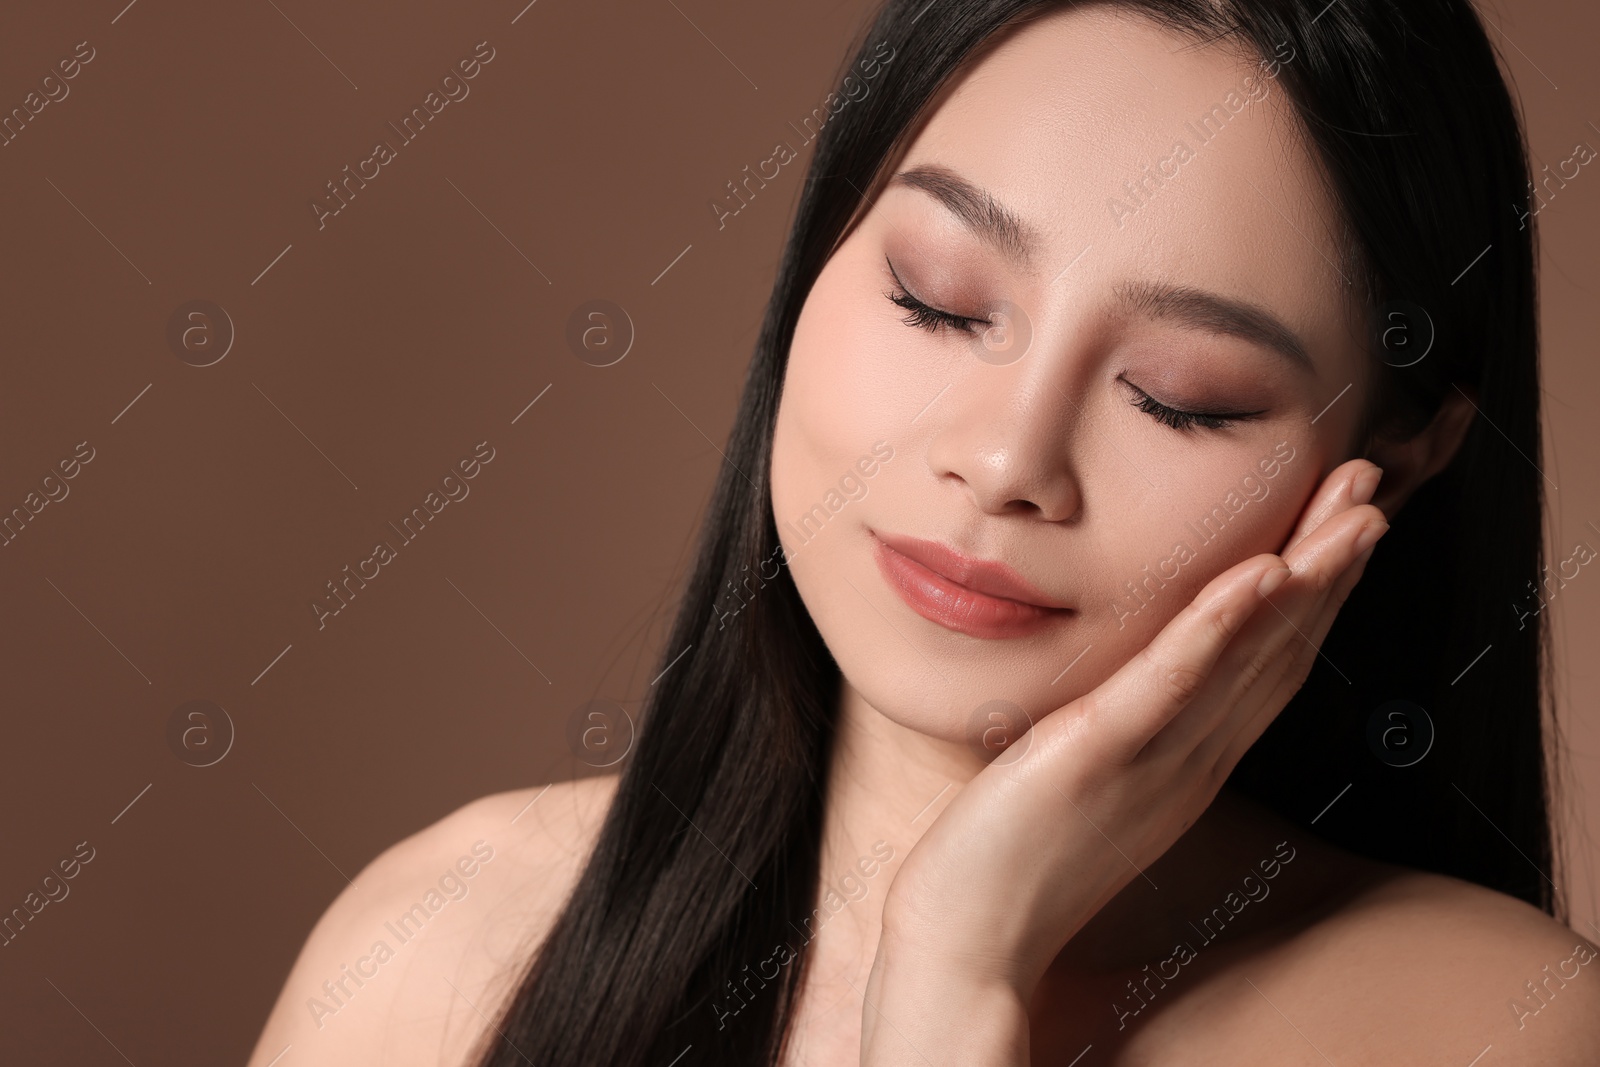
{"type": "Point", "coordinates": [1008, 440]}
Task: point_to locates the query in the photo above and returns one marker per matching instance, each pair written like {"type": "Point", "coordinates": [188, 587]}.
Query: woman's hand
{"type": "Point", "coordinates": [1034, 846]}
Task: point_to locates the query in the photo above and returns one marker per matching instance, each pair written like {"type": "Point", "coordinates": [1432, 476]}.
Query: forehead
{"type": "Point", "coordinates": [1147, 154]}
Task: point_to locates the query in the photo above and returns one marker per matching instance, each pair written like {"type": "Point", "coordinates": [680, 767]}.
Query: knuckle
{"type": "Point", "coordinates": [1091, 706]}
{"type": "Point", "coordinates": [1217, 772]}
{"type": "Point", "coordinates": [1110, 737]}
{"type": "Point", "coordinates": [1226, 620]}
{"type": "Point", "coordinates": [1204, 774]}
{"type": "Point", "coordinates": [1256, 666]}
{"type": "Point", "coordinates": [1221, 767]}
{"type": "Point", "coordinates": [1119, 754]}
{"type": "Point", "coordinates": [1323, 580]}
{"type": "Point", "coordinates": [1180, 682]}
{"type": "Point", "coordinates": [1304, 659]}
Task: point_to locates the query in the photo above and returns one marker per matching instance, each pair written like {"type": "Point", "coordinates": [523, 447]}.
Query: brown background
{"type": "Point", "coordinates": [368, 359]}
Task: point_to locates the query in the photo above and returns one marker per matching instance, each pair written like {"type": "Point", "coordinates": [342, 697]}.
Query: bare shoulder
{"type": "Point", "coordinates": [1415, 967]}
{"type": "Point", "coordinates": [435, 930]}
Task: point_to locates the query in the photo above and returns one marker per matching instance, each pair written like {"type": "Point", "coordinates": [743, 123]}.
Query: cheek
{"type": "Point", "coordinates": [1157, 565]}
{"type": "Point", "coordinates": [843, 391]}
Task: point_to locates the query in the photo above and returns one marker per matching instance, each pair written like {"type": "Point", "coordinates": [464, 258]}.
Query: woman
{"type": "Point", "coordinates": [1005, 719]}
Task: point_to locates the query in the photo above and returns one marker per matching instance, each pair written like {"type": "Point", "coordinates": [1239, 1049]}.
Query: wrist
{"type": "Point", "coordinates": [1009, 947]}
{"type": "Point", "coordinates": [925, 1006]}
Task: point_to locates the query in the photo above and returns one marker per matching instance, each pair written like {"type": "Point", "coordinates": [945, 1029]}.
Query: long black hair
{"type": "Point", "coordinates": [682, 942]}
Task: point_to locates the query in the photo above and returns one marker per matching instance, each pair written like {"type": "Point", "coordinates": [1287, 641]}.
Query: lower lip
{"type": "Point", "coordinates": [955, 607]}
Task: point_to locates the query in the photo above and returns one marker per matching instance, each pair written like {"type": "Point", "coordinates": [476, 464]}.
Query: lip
{"type": "Point", "coordinates": [980, 598]}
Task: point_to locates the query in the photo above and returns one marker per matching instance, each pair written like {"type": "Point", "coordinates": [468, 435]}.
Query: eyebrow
{"type": "Point", "coordinates": [1197, 309]}
{"type": "Point", "coordinates": [1185, 306]}
{"type": "Point", "coordinates": [986, 217]}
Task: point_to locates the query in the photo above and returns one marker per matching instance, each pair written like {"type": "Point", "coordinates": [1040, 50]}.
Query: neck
{"type": "Point", "coordinates": [887, 785]}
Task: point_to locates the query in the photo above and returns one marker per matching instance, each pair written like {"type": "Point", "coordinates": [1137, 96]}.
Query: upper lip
{"type": "Point", "coordinates": [989, 577]}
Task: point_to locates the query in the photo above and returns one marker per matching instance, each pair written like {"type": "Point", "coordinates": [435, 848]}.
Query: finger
{"type": "Point", "coordinates": [1326, 568]}
{"type": "Point", "coordinates": [1144, 695]}
{"type": "Point", "coordinates": [1279, 683]}
{"type": "Point", "coordinates": [1249, 669]}
{"type": "Point", "coordinates": [1322, 555]}
{"type": "Point", "coordinates": [1293, 677]}
{"type": "Point", "coordinates": [1349, 485]}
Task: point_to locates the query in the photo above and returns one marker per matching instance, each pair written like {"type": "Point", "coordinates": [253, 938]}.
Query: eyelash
{"type": "Point", "coordinates": [932, 320]}
{"type": "Point", "coordinates": [922, 316]}
{"type": "Point", "coordinates": [1185, 421]}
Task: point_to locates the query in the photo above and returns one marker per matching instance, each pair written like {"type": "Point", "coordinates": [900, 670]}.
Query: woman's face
{"type": "Point", "coordinates": [1141, 220]}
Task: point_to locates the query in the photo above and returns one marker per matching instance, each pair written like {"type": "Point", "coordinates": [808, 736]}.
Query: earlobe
{"type": "Point", "coordinates": [1410, 463]}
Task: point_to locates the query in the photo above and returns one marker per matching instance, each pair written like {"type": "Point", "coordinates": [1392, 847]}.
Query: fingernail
{"type": "Point", "coordinates": [1365, 484]}
{"type": "Point", "coordinates": [1369, 535]}
{"type": "Point", "coordinates": [1271, 580]}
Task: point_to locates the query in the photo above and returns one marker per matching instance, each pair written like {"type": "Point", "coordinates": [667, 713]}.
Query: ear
{"type": "Point", "coordinates": [1408, 464]}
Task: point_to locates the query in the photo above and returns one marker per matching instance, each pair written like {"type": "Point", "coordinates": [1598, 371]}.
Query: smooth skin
{"type": "Point", "coordinates": [1135, 762]}
{"type": "Point", "coordinates": [1026, 896]}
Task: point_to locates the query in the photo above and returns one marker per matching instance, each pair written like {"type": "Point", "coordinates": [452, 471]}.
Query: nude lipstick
{"type": "Point", "coordinates": [979, 598]}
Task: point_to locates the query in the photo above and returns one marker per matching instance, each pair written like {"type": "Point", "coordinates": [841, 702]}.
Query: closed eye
{"type": "Point", "coordinates": [1185, 421]}
{"type": "Point", "coordinates": [924, 317]}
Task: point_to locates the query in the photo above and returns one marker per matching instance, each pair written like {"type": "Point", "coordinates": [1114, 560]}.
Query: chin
{"type": "Point", "coordinates": [933, 679]}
